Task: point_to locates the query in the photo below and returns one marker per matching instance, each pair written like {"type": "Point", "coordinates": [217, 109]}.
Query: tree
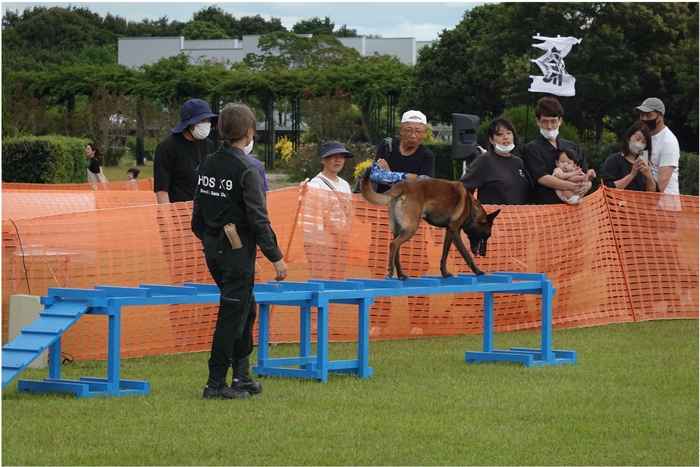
{"type": "Point", "coordinates": [198, 30]}
{"type": "Point", "coordinates": [314, 26]}
{"type": "Point", "coordinates": [288, 50]}
{"type": "Point", "coordinates": [483, 64]}
{"type": "Point", "coordinates": [343, 31]}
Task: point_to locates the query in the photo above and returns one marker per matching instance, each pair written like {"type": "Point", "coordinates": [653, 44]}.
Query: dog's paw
{"type": "Point", "coordinates": [479, 272]}
{"type": "Point", "coordinates": [402, 277]}
{"type": "Point", "coordinates": [447, 274]}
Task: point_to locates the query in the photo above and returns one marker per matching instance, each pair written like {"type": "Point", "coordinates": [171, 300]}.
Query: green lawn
{"type": "Point", "coordinates": [632, 399]}
{"type": "Point", "coordinates": [118, 173]}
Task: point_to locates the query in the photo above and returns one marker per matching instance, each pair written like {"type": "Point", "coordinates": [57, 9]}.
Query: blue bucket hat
{"type": "Point", "coordinates": [334, 147]}
{"type": "Point", "coordinates": [193, 111]}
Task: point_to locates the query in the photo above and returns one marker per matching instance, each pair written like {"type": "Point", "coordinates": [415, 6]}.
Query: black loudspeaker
{"type": "Point", "coordinates": [464, 136]}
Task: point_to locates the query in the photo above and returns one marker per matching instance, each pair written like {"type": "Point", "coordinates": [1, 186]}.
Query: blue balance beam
{"type": "Point", "coordinates": [318, 294]}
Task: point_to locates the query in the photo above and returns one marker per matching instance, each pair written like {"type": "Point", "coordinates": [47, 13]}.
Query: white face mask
{"type": "Point", "coordinates": [248, 148]}
{"type": "Point", "coordinates": [549, 134]}
{"type": "Point", "coordinates": [636, 147]}
{"type": "Point", "coordinates": [504, 149]}
{"type": "Point", "coordinates": [201, 130]}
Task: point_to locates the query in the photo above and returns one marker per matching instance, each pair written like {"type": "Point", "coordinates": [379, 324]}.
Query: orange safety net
{"type": "Point", "coordinates": [620, 256]}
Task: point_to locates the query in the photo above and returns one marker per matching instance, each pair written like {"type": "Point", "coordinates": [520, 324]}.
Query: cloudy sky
{"type": "Point", "coordinates": [423, 20]}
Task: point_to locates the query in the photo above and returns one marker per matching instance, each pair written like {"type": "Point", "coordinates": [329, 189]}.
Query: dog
{"type": "Point", "coordinates": [441, 203]}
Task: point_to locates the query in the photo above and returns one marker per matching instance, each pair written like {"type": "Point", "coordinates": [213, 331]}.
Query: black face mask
{"type": "Point", "coordinates": [651, 124]}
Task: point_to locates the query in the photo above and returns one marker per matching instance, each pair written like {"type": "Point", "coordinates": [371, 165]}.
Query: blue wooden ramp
{"type": "Point", "coordinates": [62, 309]}
{"type": "Point", "coordinates": [38, 336]}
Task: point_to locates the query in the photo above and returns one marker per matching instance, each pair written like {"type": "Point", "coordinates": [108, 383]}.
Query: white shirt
{"type": "Point", "coordinates": [665, 153]}
{"type": "Point", "coordinates": [341, 185]}
{"type": "Point", "coordinates": [334, 205]}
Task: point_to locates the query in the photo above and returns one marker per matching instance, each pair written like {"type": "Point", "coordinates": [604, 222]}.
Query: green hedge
{"type": "Point", "coordinates": [44, 159]}
{"type": "Point", "coordinates": [688, 173]}
{"type": "Point", "coordinates": [445, 167]}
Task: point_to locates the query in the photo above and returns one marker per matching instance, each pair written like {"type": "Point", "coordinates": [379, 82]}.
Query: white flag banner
{"type": "Point", "coordinates": [555, 80]}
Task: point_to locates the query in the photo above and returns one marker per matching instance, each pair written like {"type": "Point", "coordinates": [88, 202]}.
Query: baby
{"type": "Point", "coordinates": [567, 169]}
{"type": "Point", "coordinates": [132, 173]}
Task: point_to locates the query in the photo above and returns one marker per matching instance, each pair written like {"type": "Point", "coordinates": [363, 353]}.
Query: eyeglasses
{"type": "Point", "coordinates": [415, 131]}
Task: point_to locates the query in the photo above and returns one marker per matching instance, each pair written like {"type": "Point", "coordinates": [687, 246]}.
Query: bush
{"type": "Point", "coordinates": [688, 174]}
{"type": "Point", "coordinates": [44, 159]}
{"type": "Point", "coordinates": [445, 167]}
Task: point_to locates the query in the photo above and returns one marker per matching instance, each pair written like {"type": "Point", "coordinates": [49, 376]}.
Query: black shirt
{"type": "Point", "coordinates": [616, 167]}
{"type": "Point", "coordinates": [175, 165]}
{"type": "Point", "coordinates": [539, 156]}
{"type": "Point", "coordinates": [421, 162]}
{"type": "Point", "coordinates": [500, 180]}
{"type": "Point", "coordinates": [239, 184]}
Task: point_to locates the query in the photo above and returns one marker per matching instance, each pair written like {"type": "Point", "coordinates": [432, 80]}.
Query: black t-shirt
{"type": "Point", "coordinates": [421, 162]}
{"type": "Point", "coordinates": [94, 165]}
{"type": "Point", "coordinates": [616, 167]}
{"type": "Point", "coordinates": [500, 180]}
{"type": "Point", "coordinates": [539, 157]}
{"type": "Point", "coordinates": [175, 165]}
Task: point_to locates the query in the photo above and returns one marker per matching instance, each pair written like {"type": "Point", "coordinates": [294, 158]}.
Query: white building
{"type": "Point", "coordinates": [136, 51]}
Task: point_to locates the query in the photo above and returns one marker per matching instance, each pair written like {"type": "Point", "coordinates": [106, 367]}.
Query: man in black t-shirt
{"type": "Point", "coordinates": [408, 153]}
{"type": "Point", "coordinates": [179, 154]}
{"type": "Point", "coordinates": [539, 155]}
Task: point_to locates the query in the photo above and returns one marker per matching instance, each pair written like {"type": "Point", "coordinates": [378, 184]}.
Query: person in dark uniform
{"type": "Point", "coordinates": [230, 191]}
{"type": "Point", "coordinates": [499, 176]}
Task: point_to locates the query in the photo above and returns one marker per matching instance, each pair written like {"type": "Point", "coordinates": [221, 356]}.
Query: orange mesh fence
{"type": "Point", "coordinates": [618, 257]}
{"type": "Point", "coordinates": [145, 184]}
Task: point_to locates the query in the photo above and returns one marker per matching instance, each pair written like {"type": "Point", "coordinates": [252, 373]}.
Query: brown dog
{"type": "Point", "coordinates": [441, 203]}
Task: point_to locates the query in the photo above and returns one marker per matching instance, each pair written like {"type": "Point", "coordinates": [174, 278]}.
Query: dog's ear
{"type": "Point", "coordinates": [492, 216]}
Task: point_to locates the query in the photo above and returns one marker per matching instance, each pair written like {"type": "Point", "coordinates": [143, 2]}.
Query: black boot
{"type": "Point", "coordinates": [214, 390]}
{"type": "Point", "coordinates": [241, 377]}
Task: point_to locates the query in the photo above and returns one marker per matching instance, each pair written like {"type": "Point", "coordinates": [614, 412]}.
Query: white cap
{"type": "Point", "coordinates": [415, 116]}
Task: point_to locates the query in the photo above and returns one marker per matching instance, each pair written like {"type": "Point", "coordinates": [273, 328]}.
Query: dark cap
{"type": "Point", "coordinates": [652, 103]}
{"type": "Point", "coordinates": [333, 147]}
{"type": "Point", "coordinates": [193, 111]}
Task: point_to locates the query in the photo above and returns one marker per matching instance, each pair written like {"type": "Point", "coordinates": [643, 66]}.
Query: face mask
{"type": "Point", "coordinates": [201, 130]}
{"type": "Point", "coordinates": [651, 124]}
{"type": "Point", "coordinates": [504, 149]}
{"type": "Point", "coordinates": [248, 148]}
{"type": "Point", "coordinates": [549, 134]}
{"type": "Point", "coordinates": [635, 147]}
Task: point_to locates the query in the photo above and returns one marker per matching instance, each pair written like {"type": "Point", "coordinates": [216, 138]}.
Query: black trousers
{"type": "Point", "coordinates": [234, 274]}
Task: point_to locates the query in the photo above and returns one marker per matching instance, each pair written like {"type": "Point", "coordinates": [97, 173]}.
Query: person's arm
{"type": "Point", "coordinates": [664, 177]}
{"type": "Point", "coordinates": [428, 165]}
{"type": "Point", "coordinates": [256, 212]}
{"type": "Point", "coordinates": [162, 197]}
{"type": "Point", "coordinates": [162, 169]}
{"type": "Point", "coordinates": [645, 169]}
{"type": "Point", "coordinates": [197, 223]}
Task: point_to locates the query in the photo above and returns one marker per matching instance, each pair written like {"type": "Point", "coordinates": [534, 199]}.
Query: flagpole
{"type": "Point", "coordinates": [527, 107]}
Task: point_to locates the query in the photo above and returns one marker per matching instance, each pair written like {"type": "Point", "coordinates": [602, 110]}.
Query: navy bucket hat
{"type": "Point", "coordinates": [333, 147]}
{"type": "Point", "coordinates": [193, 111]}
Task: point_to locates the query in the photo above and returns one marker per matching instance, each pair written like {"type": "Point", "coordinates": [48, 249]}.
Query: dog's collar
{"type": "Point", "coordinates": [474, 213]}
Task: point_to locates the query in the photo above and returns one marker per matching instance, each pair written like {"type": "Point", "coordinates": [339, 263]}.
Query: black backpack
{"type": "Point", "coordinates": [387, 153]}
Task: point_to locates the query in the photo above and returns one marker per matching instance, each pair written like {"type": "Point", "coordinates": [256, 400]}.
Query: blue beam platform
{"type": "Point", "coordinates": [64, 307]}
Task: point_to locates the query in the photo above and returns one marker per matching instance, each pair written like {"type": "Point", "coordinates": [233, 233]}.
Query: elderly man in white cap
{"type": "Point", "coordinates": [179, 154]}
{"type": "Point", "coordinates": [407, 154]}
{"type": "Point", "coordinates": [665, 150]}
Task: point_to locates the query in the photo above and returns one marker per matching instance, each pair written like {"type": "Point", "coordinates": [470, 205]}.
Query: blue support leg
{"type": "Point", "coordinates": [322, 341]}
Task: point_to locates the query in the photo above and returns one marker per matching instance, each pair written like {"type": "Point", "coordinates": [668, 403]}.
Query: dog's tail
{"type": "Point", "coordinates": [378, 199]}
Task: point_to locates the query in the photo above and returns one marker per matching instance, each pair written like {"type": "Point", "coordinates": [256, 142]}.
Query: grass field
{"type": "Point", "coordinates": [118, 173]}
{"type": "Point", "coordinates": [632, 399]}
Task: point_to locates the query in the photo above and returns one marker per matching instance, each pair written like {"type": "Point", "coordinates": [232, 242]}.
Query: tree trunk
{"type": "Point", "coordinates": [366, 123]}
{"type": "Point", "coordinates": [599, 132]}
{"type": "Point", "coordinates": [140, 130]}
